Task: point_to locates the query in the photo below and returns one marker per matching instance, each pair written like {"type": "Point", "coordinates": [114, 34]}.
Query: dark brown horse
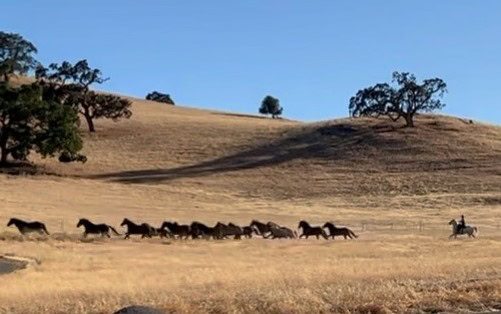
{"type": "Point", "coordinates": [28, 227]}
{"type": "Point", "coordinates": [222, 231]}
{"type": "Point", "coordinates": [145, 230]}
{"type": "Point", "coordinates": [91, 228]}
{"type": "Point", "coordinates": [200, 230]}
{"type": "Point", "coordinates": [177, 229]}
{"type": "Point", "coordinates": [335, 231]}
{"type": "Point", "coordinates": [311, 231]}
{"type": "Point", "coordinates": [262, 228]}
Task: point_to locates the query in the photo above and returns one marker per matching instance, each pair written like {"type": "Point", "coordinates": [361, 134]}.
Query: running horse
{"type": "Point", "coordinates": [469, 230]}
{"type": "Point", "coordinates": [91, 228]}
{"type": "Point", "coordinates": [28, 227]}
{"type": "Point", "coordinates": [335, 231]}
{"type": "Point", "coordinates": [145, 230]}
{"type": "Point", "coordinates": [311, 231]}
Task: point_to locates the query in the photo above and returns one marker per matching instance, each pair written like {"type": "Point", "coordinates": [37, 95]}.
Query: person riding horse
{"type": "Point", "coordinates": [461, 225]}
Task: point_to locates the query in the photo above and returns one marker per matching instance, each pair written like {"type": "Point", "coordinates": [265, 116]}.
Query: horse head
{"type": "Point", "coordinates": [11, 222]}
{"type": "Point", "coordinates": [453, 222]}
{"type": "Point", "coordinates": [125, 222]}
{"type": "Point", "coordinates": [82, 221]}
{"type": "Point", "coordinates": [303, 224]}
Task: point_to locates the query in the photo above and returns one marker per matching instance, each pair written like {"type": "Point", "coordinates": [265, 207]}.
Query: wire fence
{"type": "Point", "coordinates": [420, 226]}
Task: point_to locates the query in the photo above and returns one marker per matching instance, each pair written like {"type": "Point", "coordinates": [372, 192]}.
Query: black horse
{"type": "Point", "coordinates": [281, 233]}
{"type": "Point", "coordinates": [311, 231]}
{"type": "Point", "coordinates": [222, 231]}
{"type": "Point", "coordinates": [248, 231]}
{"type": "Point", "coordinates": [238, 232]}
{"type": "Point", "coordinates": [263, 228]}
{"type": "Point", "coordinates": [145, 230]}
{"type": "Point", "coordinates": [199, 230]}
{"type": "Point", "coordinates": [28, 227]}
{"type": "Point", "coordinates": [91, 228]}
{"type": "Point", "coordinates": [177, 229]}
{"type": "Point", "coordinates": [335, 231]}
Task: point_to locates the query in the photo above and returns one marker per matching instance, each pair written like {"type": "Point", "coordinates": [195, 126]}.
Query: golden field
{"type": "Point", "coordinates": [185, 164]}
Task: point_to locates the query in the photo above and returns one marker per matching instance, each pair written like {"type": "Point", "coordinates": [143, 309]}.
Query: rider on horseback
{"type": "Point", "coordinates": [461, 225]}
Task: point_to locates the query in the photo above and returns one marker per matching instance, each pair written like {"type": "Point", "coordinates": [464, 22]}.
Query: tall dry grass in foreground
{"type": "Point", "coordinates": [379, 273]}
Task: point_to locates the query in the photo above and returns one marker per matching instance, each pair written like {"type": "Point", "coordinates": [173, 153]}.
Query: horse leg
{"type": "Point", "coordinates": [126, 236]}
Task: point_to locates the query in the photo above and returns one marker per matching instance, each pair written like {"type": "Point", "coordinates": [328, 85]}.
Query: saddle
{"type": "Point", "coordinates": [461, 228]}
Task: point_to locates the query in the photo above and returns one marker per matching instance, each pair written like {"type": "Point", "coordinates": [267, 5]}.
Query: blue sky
{"type": "Point", "coordinates": [312, 55]}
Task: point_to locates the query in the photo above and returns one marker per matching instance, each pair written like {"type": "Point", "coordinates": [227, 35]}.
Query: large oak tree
{"type": "Point", "coordinates": [71, 86]}
{"type": "Point", "coordinates": [31, 122]}
{"type": "Point", "coordinates": [401, 101]}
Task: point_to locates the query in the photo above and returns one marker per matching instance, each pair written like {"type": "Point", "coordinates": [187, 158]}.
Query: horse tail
{"type": "Point", "coordinates": [114, 231]}
{"type": "Point", "coordinates": [45, 229]}
{"type": "Point", "coordinates": [352, 233]}
{"type": "Point", "coordinates": [476, 230]}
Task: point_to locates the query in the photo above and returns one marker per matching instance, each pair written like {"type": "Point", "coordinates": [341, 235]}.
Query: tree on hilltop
{"type": "Point", "coordinates": [70, 85]}
{"type": "Point", "coordinates": [16, 55]}
{"type": "Point", "coordinates": [403, 101]}
{"type": "Point", "coordinates": [160, 97]}
{"type": "Point", "coordinates": [271, 105]}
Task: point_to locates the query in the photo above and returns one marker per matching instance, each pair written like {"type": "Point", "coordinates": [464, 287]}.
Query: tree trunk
{"type": "Point", "coordinates": [409, 120]}
{"type": "Point", "coordinates": [90, 122]}
{"type": "Point", "coordinates": [3, 160]}
{"type": "Point", "coordinates": [3, 146]}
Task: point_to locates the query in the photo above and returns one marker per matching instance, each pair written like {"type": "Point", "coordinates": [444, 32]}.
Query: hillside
{"type": "Point", "coordinates": [253, 156]}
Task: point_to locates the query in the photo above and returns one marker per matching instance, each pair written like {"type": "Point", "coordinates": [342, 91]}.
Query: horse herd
{"type": "Point", "coordinates": [197, 230]}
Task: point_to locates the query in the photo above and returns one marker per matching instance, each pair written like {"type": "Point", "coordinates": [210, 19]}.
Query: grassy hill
{"type": "Point", "coordinates": [254, 156]}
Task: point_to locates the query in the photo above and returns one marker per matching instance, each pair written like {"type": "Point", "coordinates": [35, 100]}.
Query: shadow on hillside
{"type": "Point", "coordinates": [330, 142]}
{"type": "Point", "coordinates": [243, 115]}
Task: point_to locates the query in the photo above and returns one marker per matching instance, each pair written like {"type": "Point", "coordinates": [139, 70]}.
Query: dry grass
{"type": "Point", "coordinates": [185, 164]}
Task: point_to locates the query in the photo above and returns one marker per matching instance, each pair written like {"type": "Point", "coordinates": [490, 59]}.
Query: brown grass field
{"type": "Point", "coordinates": [184, 164]}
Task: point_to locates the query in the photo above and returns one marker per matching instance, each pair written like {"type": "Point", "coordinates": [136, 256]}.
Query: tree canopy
{"type": "Point", "coordinates": [271, 105]}
{"type": "Point", "coordinates": [160, 97]}
{"type": "Point", "coordinates": [70, 85]}
{"type": "Point", "coordinates": [403, 101]}
{"type": "Point", "coordinates": [30, 122]}
{"type": "Point", "coordinates": [16, 55]}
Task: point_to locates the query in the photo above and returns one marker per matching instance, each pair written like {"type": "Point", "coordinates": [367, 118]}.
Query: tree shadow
{"type": "Point", "coordinates": [332, 142]}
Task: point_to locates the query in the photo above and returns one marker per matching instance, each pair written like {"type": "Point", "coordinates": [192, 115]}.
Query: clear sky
{"type": "Point", "coordinates": [312, 55]}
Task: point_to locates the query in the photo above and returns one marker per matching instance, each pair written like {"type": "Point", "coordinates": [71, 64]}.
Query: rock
{"type": "Point", "coordinates": [159, 97]}
{"type": "Point", "coordinates": [139, 309]}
